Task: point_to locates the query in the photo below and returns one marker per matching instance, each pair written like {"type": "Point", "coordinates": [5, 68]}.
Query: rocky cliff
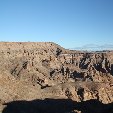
{"type": "Point", "coordinates": [40, 70]}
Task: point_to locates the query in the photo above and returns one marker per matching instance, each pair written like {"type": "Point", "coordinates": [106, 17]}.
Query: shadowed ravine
{"type": "Point", "coordinates": [57, 106]}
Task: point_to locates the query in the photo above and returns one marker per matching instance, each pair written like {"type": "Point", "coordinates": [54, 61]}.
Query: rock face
{"type": "Point", "coordinates": [40, 70]}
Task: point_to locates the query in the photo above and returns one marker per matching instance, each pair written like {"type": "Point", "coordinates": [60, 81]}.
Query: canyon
{"type": "Point", "coordinates": [43, 77]}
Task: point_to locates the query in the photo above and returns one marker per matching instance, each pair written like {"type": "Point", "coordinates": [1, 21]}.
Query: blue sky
{"type": "Point", "coordinates": [70, 23]}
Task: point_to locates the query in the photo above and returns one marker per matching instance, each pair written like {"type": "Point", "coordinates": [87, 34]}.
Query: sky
{"type": "Point", "coordinates": [69, 23]}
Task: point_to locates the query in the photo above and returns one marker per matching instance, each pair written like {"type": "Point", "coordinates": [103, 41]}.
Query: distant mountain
{"type": "Point", "coordinates": [94, 47]}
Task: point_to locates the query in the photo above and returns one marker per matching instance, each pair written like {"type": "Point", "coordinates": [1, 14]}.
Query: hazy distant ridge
{"type": "Point", "coordinates": [94, 47]}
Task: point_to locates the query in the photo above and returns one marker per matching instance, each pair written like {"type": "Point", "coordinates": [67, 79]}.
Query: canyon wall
{"type": "Point", "coordinates": [40, 70]}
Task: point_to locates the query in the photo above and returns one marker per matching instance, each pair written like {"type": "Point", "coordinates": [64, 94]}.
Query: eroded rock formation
{"type": "Point", "coordinates": [39, 70]}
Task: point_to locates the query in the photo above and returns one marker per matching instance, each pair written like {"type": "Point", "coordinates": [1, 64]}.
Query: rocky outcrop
{"type": "Point", "coordinates": [39, 70]}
